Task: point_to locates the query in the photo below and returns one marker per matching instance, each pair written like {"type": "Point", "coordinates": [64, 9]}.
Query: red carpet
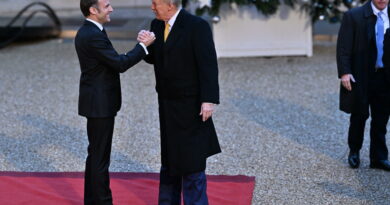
{"type": "Point", "coordinates": [66, 188]}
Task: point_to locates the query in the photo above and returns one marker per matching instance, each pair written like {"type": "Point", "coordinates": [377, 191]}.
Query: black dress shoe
{"type": "Point", "coordinates": [380, 164]}
{"type": "Point", "coordinates": [354, 159]}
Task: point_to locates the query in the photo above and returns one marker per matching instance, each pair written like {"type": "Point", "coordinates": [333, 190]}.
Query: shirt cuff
{"type": "Point", "coordinates": [143, 46]}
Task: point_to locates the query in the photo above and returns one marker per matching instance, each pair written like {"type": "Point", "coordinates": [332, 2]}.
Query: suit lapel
{"type": "Point", "coordinates": [159, 31]}
{"type": "Point", "coordinates": [388, 15]}
{"type": "Point", "coordinates": [371, 21]}
{"type": "Point", "coordinates": [371, 28]}
{"type": "Point", "coordinates": [92, 25]}
{"type": "Point", "coordinates": [176, 31]}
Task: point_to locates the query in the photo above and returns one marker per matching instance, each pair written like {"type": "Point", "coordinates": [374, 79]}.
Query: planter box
{"type": "Point", "coordinates": [243, 31]}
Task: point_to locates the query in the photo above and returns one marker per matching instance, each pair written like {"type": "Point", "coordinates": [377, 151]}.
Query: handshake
{"type": "Point", "coordinates": [146, 37]}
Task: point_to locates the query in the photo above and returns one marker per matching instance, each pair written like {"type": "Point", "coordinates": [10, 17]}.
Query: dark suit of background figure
{"type": "Point", "coordinates": [99, 102]}
{"type": "Point", "coordinates": [386, 57]}
{"type": "Point", "coordinates": [356, 55]}
{"type": "Point", "coordinates": [186, 72]}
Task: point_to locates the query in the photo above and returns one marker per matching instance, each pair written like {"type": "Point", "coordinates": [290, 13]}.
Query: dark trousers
{"type": "Point", "coordinates": [193, 186]}
{"type": "Point", "coordinates": [379, 108]}
{"type": "Point", "coordinates": [97, 182]}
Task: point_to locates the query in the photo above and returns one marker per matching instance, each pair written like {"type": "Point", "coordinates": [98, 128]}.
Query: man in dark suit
{"type": "Point", "coordinates": [364, 90]}
{"type": "Point", "coordinates": [186, 71]}
{"type": "Point", "coordinates": [100, 93]}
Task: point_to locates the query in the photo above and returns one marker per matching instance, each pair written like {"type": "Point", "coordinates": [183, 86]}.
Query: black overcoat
{"type": "Point", "coordinates": [100, 88]}
{"type": "Point", "coordinates": [386, 55]}
{"type": "Point", "coordinates": [356, 55]}
{"type": "Point", "coordinates": [186, 72]}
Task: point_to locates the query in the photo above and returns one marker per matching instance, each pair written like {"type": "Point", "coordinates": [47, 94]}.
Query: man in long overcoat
{"type": "Point", "coordinates": [186, 71]}
{"type": "Point", "coordinates": [364, 90]}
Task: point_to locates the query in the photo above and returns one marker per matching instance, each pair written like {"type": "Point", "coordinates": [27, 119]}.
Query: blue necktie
{"type": "Point", "coordinates": [379, 39]}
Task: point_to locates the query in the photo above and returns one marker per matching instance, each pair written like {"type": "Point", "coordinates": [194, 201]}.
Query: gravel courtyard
{"type": "Point", "coordinates": [278, 120]}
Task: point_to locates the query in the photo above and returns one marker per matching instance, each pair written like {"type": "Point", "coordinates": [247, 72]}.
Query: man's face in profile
{"type": "Point", "coordinates": [161, 9]}
{"type": "Point", "coordinates": [103, 11]}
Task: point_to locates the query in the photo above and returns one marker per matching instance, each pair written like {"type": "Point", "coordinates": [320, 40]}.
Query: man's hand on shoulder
{"type": "Point", "coordinates": [206, 110]}
{"type": "Point", "coordinates": [146, 37]}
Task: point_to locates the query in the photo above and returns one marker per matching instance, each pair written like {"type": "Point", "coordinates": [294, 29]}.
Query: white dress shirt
{"type": "Point", "coordinates": [173, 18]}
{"type": "Point", "coordinates": [384, 16]}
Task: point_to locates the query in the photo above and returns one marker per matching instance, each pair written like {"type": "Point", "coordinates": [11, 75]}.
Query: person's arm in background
{"type": "Point", "coordinates": [344, 51]}
{"type": "Point", "coordinates": [206, 59]}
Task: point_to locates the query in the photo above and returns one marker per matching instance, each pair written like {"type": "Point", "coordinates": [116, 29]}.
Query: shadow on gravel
{"type": "Point", "coordinates": [21, 152]}
{"type": "Point", "coordinates": [375, 189]}
{"type": "Point", "coordinates": [55, 133]}
{"type": "Point", "coordinates": [342, 189]}
{"type": "Point", "coordinates": [27, 149]}
{"type": "Point", "coordinates": [295, 123]}
{"type": "Point", "coordinates": [321, 134]}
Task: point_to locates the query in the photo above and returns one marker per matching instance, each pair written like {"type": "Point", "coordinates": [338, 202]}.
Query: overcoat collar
{"type": "Point", "coordinates": [368, 9]}
{"type": "Point", "coordinates": [369, 12]}
{"type": "Point", "coordinates": [371, 20]}
{"type": "Point", "coordinates": [176, 30]}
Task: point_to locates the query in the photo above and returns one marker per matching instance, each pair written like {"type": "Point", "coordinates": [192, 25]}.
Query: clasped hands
{"type": "Point", "coordinates": [146, 37]}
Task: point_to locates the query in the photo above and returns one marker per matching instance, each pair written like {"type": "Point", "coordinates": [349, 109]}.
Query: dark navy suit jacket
{"type": "Point", "coordinates": [100, 89]}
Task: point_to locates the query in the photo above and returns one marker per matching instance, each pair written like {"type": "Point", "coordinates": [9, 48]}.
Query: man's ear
{"type": "Point", "coordinates": [93, 10]}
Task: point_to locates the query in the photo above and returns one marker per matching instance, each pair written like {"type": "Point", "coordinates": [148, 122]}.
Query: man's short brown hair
{"type": "Point", "coordinates": [86, 4]}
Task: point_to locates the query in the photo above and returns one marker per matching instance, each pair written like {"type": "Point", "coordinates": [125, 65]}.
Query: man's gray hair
{"type": "Point", "coordinates": [177, 3]}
